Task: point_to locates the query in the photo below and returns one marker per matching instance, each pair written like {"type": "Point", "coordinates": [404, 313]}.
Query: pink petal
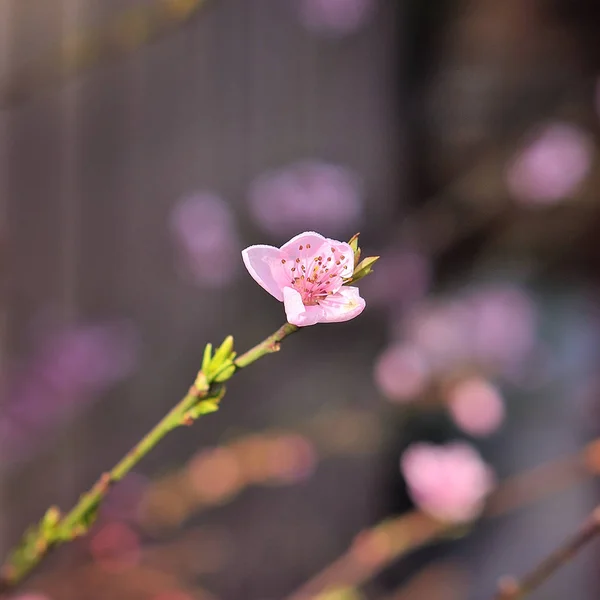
{"type": "Point", "coordinates": [347, 263]}
{"type": "Point", "coordinates": [342, 306]}
{"type": "Point", "coordinates": [261, 263]}
{"type": "Point", "coordinates": [309, 240]}
{"type": "Point", "coordinates": [296, 312]}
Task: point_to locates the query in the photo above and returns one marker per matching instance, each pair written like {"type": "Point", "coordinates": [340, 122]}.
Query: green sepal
{"type": "Point", "coordinates": [353, 243]}
{"type": "Point", "coordinates": [363, 269]}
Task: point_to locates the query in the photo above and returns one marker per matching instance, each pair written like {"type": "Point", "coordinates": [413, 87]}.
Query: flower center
{"type": "Point", "coordinates": [317, 275]}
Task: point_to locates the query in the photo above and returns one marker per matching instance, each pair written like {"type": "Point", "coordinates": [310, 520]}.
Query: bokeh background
{"type": "Point", "coordinates": [145, 143]}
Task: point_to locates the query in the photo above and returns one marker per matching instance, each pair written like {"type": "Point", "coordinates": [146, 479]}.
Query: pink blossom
{"type": "Point", "coordinates": [307, 194]}
{"type": "Point", "coordinates": [552, 166]}
{"type": "Point", "coordinates": [503, 325]}
{"type": "Point", "coordinates": [442, 332]}
{"type": "Point", "coordinates": [206, 240]}
{"type": "Point", "coordinates": [334, 16]}
{"type": "Point", "coordinates": [476, 406]}
{"type": "Point", "coordinates": [449, 482]}
{"type": "Point", "coordinates": [307, 274]}
{"type": "Point", "coordinates": [401, 372]}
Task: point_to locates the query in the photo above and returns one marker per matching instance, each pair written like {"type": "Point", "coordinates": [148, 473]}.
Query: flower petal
{"type": "Point", "coordinates": [342, 306]}
{"type": "Point", "coordinates": [309, 240]}
{"type": "Point", "coordinates": [296, 312]}
{"type": "Point", "coordinates": [346, 267]}
{"type": "Point", "coordinates": [261, 262]}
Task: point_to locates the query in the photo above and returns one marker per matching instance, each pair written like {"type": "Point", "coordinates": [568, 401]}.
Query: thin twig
{"type": "Point", "coordinates": [55, 529]}
{"type": "Point", "coordinates": [510, 588]}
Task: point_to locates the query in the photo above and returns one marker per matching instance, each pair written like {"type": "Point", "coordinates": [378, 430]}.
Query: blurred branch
{"type": "Point", "coordinates": [376, 548]}
{"type": "Point", "coordinates": [274, 456]}
{"type": "Point", "coordinates": [202, 398]}
{"type": "Point", "coordinates": [78, 51]}
{"type": "Point", "coordinates": [513, 589]}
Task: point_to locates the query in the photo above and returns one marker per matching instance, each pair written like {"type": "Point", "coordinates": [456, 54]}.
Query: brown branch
{"type": "Point", "coordinates": [510, 588]}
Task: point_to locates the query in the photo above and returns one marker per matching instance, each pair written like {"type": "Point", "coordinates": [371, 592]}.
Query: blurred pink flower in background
{"type": "Point", "coordinates": [491, 326]}
{"type": "Point", "coordinates": [334, 16]}
{"type": "Point", "coordinates": [307, 274]}
{"type": "Point", "coordinates": [504, 325]}
{"type": "Point", "coordinates": [115, 547]}
{"type": "Point", "coordinates": [401, 278]}
{"type": "Point", "coordinates": [206, 239]}
{"type": "Point", "coordinates": [441, 330]}
{"type": "Point", "coordinates": [30, 596]}
{"type": "Point", "coordinates": [449, 482]}
{"type": "Point", "coordinates": [69, 368]}
{"type": "Point", "coordinates": [401, 372]}
{"type": "Point", "coordinates": [291, 458]}
{"type": "Point", "coordinates": [307, 195]}
{"type": "Point", "coordinates": [476, 406]}
{"type": "Point", "coordinates": [552, 166]}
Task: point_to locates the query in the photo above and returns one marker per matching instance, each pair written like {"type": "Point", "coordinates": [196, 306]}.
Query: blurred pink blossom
{"type": "Point", "coordinates": [206, 239]}
{"type": "Point", "coordinates": [401, 373]}
{"type": "Point", "coordinates": [334, 16]}
{"type": "Point", "coordinates": [30, 596]}
{"type": "Point", "coordinates": [442, 332]}
{"type": "Point", "coordinates": [504, 325]}
{"type": "Point", "coordinates": [115, 547]}
{"type": "Point", "coordinates": [476, 406]}
{"type": "Point", "coordinates": [307, 274]}
{"type": "Point", "coordinates": [68, 368]}
{"type": "Point", "coordinates": [449, 482]}
{"type": "Point", "coordinates": [552, 166]}
{"type": "Point", "coordinates": [307, 195]}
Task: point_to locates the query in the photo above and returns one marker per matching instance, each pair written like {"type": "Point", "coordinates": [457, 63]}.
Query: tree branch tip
{"type": "Point", "coordinates": [508, 587]}
{"type": "Point", "coordinates": [595, 517]}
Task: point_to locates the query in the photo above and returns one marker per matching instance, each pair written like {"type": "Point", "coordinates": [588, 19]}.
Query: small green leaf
{"type": "Point", "coordinates": [206, 407]}
{"type": "Point", "coordinates": [363, 269]}
{"type": "Point", "coordinates": [225, 373]}
{"type": "Point", "coordinates": [206, 358]}
{"type": "Point", "coordinates": [223, 353]}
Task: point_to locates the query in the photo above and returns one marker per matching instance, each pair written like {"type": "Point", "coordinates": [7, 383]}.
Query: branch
{"type": "Point", "coordinates": [510, 588]}
{"type": "Point", "coordinates": [202, 398]}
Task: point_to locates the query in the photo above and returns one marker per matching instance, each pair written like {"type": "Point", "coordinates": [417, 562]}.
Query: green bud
{"type": "Point", "coordinates": [51, 518]}
{"type": "Point", "coordinates": [223, 353]}
{"type": "Point", "coordinates": [206, 407]}
{"type": "Point", "coordinates": [206, 358]}
{"type": "Point", "coordinates": [225, 373]}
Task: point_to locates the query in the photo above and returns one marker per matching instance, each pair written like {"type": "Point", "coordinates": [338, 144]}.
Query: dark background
{"type": "Point", "coordinates": [425, 103]}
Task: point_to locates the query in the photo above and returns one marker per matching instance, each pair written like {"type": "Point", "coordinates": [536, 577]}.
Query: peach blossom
{"type": "Point", "coordinates": [307, 274]}
{"type": "Point", "coordinates": [449, 482]}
